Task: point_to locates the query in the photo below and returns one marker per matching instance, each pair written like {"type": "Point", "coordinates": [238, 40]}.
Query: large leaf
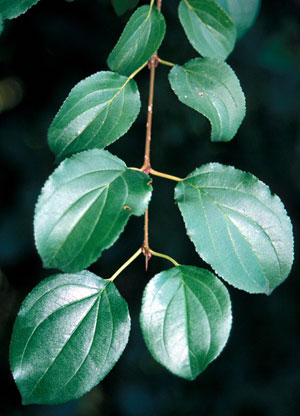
{"type": "Point", "coordinates": [14, 8]}
{"type": "Point", "coordinates": [84, 206]}
{"type": "Point", "coordinates": [141, 37]}
{"type": "Point", "coordinates": [209, 29]}
{"type": "Point", "coordinates": [121, 6]}
{"type": "Point", "coordinates": [98, 111]}
{"type": "Point", "coordinates": [69, 333]}
{"type": "Point", "coordinates": [210, 87]}
{"type": "Point", "coordinates": [242, 12]}
{"type": "Point", "coordinates": [186, 319]}
{"type": "Point", "coordinates": [237, 226]}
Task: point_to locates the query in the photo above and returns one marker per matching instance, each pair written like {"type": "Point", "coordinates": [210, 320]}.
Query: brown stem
{"type": "Point", "coordinates": [153, 62]}
{"type": "Point", "coordinates": [158, 4]}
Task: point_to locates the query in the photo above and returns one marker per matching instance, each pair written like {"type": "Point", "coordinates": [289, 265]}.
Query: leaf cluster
{"type": "Point", "coordinates": [73, 327]}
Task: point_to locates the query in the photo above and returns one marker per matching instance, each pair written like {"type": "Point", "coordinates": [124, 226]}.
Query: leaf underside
{"type": "Point", "coordinates": [237, 226]}
{"type": "Point", "coordinates": [185, 319]}
{"type": "Point", "coordinates": [84, 206]}
{"type": "Point", "coordinates": [98, 111]}
{"type": "Point", "coordinates": [208, 28]}
{"type": "Point", "coordinates": [210, 87]}
{"type": "Point", "coordinates": [141, 37]}
{"type": "Point", "coordinates": [69, 333]}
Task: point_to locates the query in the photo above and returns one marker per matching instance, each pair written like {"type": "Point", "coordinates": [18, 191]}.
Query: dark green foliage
{"type": "Point", "coordinates": [72, 328]}
{"type": "Point", "coordinates": [69, 333]}
{"type": "Point", "coordinates": [185, 319]}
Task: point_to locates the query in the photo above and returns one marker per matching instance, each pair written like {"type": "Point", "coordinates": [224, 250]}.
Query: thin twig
{"type": "Point", "coordinates": [147, 163]}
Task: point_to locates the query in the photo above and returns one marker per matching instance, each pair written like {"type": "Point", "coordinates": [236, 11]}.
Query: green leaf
{"type": "Point", "coordinates": [208, 28]}
{"type": "Point", "coordinates": [14, 8]}
{"type": "Point", "coordinates": [122, 6]}
{"type": "Point", "coordinates": [69, 333]}
{"type": "Point", "coordinates": [211, 87]}
{"type": "Point", "coordinates": [242, 12]}
{"type": "Point", "coordinates": [84, 206]}
{"type": "Point", "coordinates": [185, 319]}
{"type": "Point", "coordinates": [98, 111]}
{"type": "Point", "coordinates": [237, 226]}
{"type": "Point", "coordinates": [141, 37]}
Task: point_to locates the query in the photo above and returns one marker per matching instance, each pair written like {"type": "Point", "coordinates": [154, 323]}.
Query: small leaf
{"type": "Point", "coordinates": [84, 206]}
{"type": "Point", "coordinates": [242, 12]}
{"type": "Point", "coordinates": [185, 319]}
{"type": "Point", "coordinates": [237, 226]}
{"type": "Point", "coordinates": [98, 111]}
{"type": "Point", "coordinates": [141, 37]}
{"type": "Point", "coordinates": [210, 87]}
{"type": "Point", "coordinates": [208, 28]}
{"type": "Point", "coordinates": [122, 6]}
{"type": "Point", "coordinates": [69, 333]}
{"type": "Point", "coordinates": [14, 8]}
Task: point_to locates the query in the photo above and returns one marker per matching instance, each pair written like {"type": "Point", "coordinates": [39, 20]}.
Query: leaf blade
{"type": "Point", "coordinates": [140, 39]}
{"type": "Point", "coordinates": [243, 13]}
{"type": "Point", "coordinates": [210, 87]}
{"type": "Point", "coordinates": [9, 9]}
{"type": "Point", "coordinates": [122, 6]}
{"type": "Point", "coordinates": [185, 319]}
{"type": "Point", "coordinates": [208, 28]}
{"type": "Point", "coordinates": [65, 341]}
{"type": "Point", "coordinates": [84, 206]}
{"type": "Point", "coordinates": [98, 111]}
{"type": "Point", "coordinates": [242, 230]}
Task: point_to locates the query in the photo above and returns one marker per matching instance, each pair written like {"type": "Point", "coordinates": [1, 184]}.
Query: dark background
{"type": "Point", "coordinates": [43, 54]}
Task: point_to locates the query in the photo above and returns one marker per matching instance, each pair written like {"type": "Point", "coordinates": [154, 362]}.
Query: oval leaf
{"type": "Point", "coordinates": [84, 206]}
{"type": "Point", "coordinates": [14, 8]}
{"type": "Point", "coordinates": [186, 319]}
{"type": "Point", "coordinates": [210, 87]}
{"type": "Point", "coordinates": [242, 12]}
{"type": "Point", "coordinates": [98, 111]}
{"type": "Point", "coordinates": [69, 333]}
{"type": "Point", "coordinates": [122, 6]}
{"type": "Point", "coordinates": [208, 28]}
{"type": "Point", "coordinates": [141, 37]}
{"type": "Point", "coordinates": [237, 226]}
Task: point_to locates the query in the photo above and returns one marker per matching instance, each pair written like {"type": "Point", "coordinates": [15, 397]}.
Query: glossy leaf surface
{"type": "Point", "coordinates": [141, 37]}
{"type": "Point", "coordinates": [242, 12]}
{"type": "Point", "coordinates": [84, 206]}
{"type": "Point", "coordinates": [98, 111]}
{"type": "Point", "coordinates": [185, 319]}
{"type": "Point", "coordinates": [210, 87]}
{"type": "Point", "coordinates": [237, 226]}
{"type": "Point", "coordinates": [122, 6]}
{"type": "Point", "coordinates": [14, 8]}
{"type": "Point", "coordinates": [208, 28]}
{"type": "Point", "coordinates": [69, 333]}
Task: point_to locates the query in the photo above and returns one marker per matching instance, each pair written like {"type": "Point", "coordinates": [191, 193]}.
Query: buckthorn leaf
{"type": "Point", "coordinates": [122, 6]}
{"type": "Point", "coordinates": [237, 226]}
{"type": "Point", "coordinates": [210, 87]}
{"type": "Point", "coordinates": [141, 37]}
{"type": "Point", "coordinates": [208, 27]}
{"type": "Point", "coordinates": [185, 319]}
{"type": "Point", "coordinates": [14, 8]}
{"type": "Point", "coordinates": [98, 111]}
{"type": "Point", "coordinates": [84, 206]}
{"type": "Point", "coordinates": [69, 333]}
{"type": "Point", "coordinates": [242, 12]}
